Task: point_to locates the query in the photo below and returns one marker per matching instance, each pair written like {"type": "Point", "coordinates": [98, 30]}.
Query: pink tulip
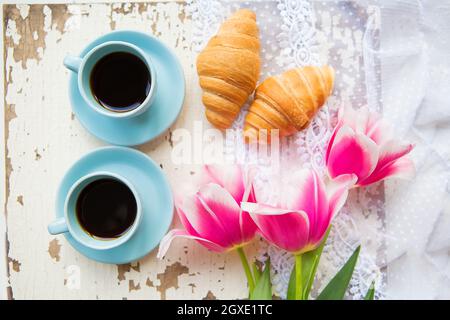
{"type": "Point", "coordinates": [301, 222]}
{"type": "Point", "coordinates": [212, 216]}
{"type": "Point", "coordinates": [363, 144]}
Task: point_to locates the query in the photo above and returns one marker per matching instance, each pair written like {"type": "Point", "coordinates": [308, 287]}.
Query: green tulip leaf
{"type": "Point", "coordinates": [370, 295]}
{"type": "Point", "coordinates": [310, 261]}
{"type": "Point", "coordinates": [335, 289]}
{"type": "Point", "coordinates": [263, 288]}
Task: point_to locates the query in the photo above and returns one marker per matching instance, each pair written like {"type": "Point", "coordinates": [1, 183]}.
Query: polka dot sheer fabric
{"type": "Point", "coordinates": [381, 51]}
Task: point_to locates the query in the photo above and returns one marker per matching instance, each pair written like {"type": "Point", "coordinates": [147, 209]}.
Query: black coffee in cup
{"type": "Point", "coordinates": [106, 208]}
{"type": "Point", "coordinates": [120, 81]}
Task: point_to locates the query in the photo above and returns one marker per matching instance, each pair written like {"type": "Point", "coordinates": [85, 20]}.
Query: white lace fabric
{"type": "Point", "coordinates": [344, 35]}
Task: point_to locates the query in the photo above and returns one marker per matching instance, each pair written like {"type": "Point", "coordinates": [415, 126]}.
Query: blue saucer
{"type": "Point", "coordinates": [154, 191]}
{"type": "Point", "coordinates": [161, 114]}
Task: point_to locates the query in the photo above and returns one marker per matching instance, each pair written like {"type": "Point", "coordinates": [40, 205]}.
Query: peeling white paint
{"type": "Point", "coordinates": [11, 31]}
{"type": "Point", "coordinates": [24, 10]}
{"type": "Point", "coordinates": [44, 122]}
{"type": "Point", "coordinates": [3, 270]}
{"type": "Point", "coordinates": [48, 18]}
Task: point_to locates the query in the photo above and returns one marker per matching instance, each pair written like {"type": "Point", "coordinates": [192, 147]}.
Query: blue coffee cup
{"type": "Point", "coordinates": [69, 222]}
{"type": "Point", "coordinates": [85, 65]}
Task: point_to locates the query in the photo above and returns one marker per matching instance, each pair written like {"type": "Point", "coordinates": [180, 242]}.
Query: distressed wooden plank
{"type": "Point", "coordinates": [3, 262]}
{"type": "Point", "coordinates": [43, 138]}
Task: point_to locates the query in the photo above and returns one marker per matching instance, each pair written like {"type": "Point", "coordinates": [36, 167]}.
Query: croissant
{"type": "Point", "coordinates": [288, 101]}
{"type": "Point", "coordinates": [228, 68]}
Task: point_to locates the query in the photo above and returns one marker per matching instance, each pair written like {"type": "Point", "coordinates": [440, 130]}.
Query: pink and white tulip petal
{"type": "Point", "coordinates": [310, 197]}
{"type": "Point", "coordinates": [402, 168]}
{"type": "Point", "coordinates": [378, 130]}
{"type": "Point", "coordinates": [390, 152]}
{"type": "Point", "coordinates": [227, 213]}
{"type": "Point", "coordinates": [213, 216]}
{"type": "Point", "coordinates": [360, 140]}
{"type": "Point", "coordinates": [352, 153]}
{"type": "Point", "coordinates": [387, 166]}
{"type": "Point", "coordinates": [287, 229]}
{"type": "Point", "coordinates": [229, 177]}
{"type": "Point", "coordinates": [304, 216]}
{"type": "Point", "coordinates": [198, 221]}
{"type": "Point", "coordinates": [337, 192]}
{"type": "Point", "coordinates": [177, 233]}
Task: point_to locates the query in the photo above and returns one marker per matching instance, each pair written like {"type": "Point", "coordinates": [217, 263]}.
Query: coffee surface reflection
{"type": "Point", "coordinates": [120, 81]}
{"type": "Point", "coordinates": [106, 208]}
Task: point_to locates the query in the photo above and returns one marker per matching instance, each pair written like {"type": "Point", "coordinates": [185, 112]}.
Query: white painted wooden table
{"type": "Point", "coordinates": [43, 138]}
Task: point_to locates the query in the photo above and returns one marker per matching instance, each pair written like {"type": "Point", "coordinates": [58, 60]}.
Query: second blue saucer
{"type": "Point", "coordinates": [162, 113]}
{"type": "Point", "coordinates": [152, 187]}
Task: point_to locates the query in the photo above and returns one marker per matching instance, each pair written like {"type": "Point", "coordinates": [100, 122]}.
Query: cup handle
{"type": "Point", "coordinates": [72, 63]}
{"type": "Point", "coordinates": [58, 226]}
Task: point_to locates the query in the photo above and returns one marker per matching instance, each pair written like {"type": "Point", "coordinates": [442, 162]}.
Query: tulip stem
{"type": "Point", "coordinates": [248, 273]}
{"type": "Point", "coordinates": [298, 277]}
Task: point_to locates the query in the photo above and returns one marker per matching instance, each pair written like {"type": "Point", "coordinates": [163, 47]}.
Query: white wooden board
{"type": "Point", "coordinates": [43, 138]}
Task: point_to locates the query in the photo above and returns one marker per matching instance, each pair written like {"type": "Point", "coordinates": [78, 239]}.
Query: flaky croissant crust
{"type": "Point", "coordinates": [229, 67]}
{"type": "Point", "coordinates": [289, 101]}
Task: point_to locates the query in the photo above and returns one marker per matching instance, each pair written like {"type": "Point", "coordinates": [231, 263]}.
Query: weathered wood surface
{"type": "Point", "coordinates": [43, 138]}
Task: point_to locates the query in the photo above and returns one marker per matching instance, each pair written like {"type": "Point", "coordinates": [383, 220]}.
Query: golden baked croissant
{"type": "Point", "coordinates": [228, 68]}
{"type": "Point", "coordinates": [288, 101]}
